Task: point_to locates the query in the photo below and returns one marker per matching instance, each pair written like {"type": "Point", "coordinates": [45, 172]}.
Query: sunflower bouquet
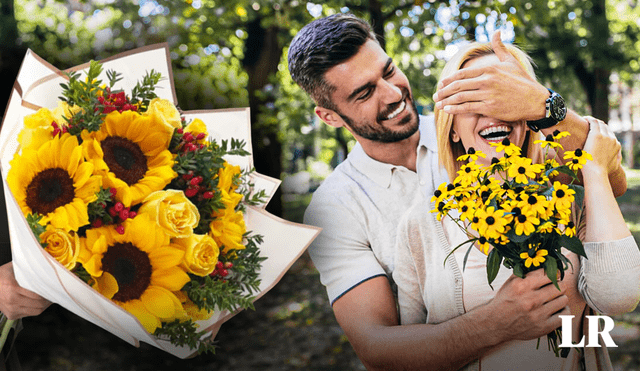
{"type": "Point", "coordinates": [515, 212]}
{"type": "Point", "coordinates": [144, 223]}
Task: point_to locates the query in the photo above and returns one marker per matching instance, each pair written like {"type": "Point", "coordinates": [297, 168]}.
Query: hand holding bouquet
{"type": "Point", "coordinates": [514, 212]}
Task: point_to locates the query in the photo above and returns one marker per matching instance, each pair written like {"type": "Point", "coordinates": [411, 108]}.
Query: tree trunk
{"type": "Point", "coordinates": [377, 20]}
{"type": "Point", "coordinates": [10, 54]}
{"type": "Point", "coordinates": [262, 55]}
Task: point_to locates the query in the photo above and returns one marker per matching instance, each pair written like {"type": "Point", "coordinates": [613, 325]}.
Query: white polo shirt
{"type": "Point", "coordinates": [359, 207]}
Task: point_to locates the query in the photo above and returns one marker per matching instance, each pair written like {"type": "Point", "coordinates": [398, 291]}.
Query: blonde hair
{"type": "Point", "coordinates": [448, 150]}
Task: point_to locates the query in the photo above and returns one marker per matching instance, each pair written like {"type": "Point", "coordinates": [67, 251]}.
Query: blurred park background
{"type": "Point", "coordinates": [232, 53]}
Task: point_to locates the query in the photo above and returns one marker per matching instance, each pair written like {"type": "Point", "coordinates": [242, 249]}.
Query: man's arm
{"type": "Point", "coordinates": [528, 309]}
{"type": "Point", "coordinates": [506, 92]}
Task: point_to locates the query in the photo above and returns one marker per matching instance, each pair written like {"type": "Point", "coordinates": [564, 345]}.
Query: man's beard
{"type": "Point", "coordinates": [379, 133]}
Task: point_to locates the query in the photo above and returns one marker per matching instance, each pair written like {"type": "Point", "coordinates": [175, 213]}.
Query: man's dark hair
{"type": "Point", "coordinates": [321, 45]}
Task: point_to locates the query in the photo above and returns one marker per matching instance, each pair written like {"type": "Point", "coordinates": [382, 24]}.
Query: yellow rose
{"type": "Point", "coordinates": [227, 187]}
{"type": "Point", "coordinates": [63, 246]}
{"type": "Point", "coordinates": [191, 310]}
{"type": "Point", "coordinates": [37, 129]}
{"type": "Point", "coordinates": [172, 211]}
{"type": "Point", "coordinates": [166, 111]}
{"type": "Point", "coordinates": [195, 127]}
{"type": "Point", "coordinates": [228, 229]}
{"type": "Point", "coordinates": [63, 112]}
{"type": "Point", "coordinates": [200, 253]}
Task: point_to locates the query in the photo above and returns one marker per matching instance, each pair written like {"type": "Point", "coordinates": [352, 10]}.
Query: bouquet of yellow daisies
{"type": "Point", "coordinates": [513, 210]}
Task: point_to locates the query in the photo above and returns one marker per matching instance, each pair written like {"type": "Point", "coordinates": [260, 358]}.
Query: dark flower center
{"type": "Point", "coordinates": [50, 189]}
{"type": "Point", "coordinates": [516, 211]}
{"type": "Point", "coordinates": [522, 218]}
{"type": "Point", "coordinates": [506, 142]}
{"type": "Point", "coordinates": [578, 152]}
{"type": "Point", "coordinates": [522, 170]}
{"type": "Point", "coordinates": [130, 267]}
{"type": "Point", "coordinates": [491, 220]}
{"type": "Point", "coordinates": [532, 200]}
{"type": "Point", "coordinates": [549, 138]}
{"type": "Point", "coordinates": [560, 193]}
{"type": "Point", "coordinates": [471, 151]}
{"type": "Point", "coordinates": [125, 159]}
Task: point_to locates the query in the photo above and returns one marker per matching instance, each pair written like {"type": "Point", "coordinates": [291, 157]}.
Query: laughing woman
{"type": "Point", "coordinates": [477, 327]}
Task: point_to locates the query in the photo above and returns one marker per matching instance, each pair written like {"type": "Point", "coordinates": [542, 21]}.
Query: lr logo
{"type": "Point", "coordinates": [593, 332]}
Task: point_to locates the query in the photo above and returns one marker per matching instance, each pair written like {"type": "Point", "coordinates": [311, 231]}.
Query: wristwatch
{"type": "Point", "coordinates": [556, 112]}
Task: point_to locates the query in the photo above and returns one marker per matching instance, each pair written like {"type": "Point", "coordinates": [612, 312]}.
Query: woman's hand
{"type": "Point", "coordinates": [603, 146]}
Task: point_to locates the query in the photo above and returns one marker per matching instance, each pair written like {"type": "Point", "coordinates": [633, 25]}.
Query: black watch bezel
{"type": "Point", "coordinates": [556, 111]}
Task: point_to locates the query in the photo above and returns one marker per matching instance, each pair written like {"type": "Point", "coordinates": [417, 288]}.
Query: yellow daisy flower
{"type": "Point", "coordinates": [54, 181]}
{"type": "Point", "coordinates": [522, 169]}
{"type": "Point", "coordinates": [468, 174]}
{"type": "Point", "coordinates": [483, 244]}
{"type": "Point", "coordinates": [491, 223]}
{"type": "Point", "coordinates": [466, 208]}
{"type": "Point", "coordinates": [509, 148]}
{"type": "Point", "coordinates": [577, 159]}
{"type": "Point", "coordinates": [525, 223]}
{"type": "Point", "coordinates": [130, 151]}
{"type": "Point", "coordinates": [535, 203]}
{"type": "Point", "coordinates": [562, 196]}
{"type": "Point", "coordinates": [546, 227]}
{"type": "Point", "coordinates": [549, 141]}
{"type": "Point", "coordinates": [139, 270]}
{"type": "Point", "coordinates": [472, 155]}
{"type": "Point", "coordinates": [534, 256]}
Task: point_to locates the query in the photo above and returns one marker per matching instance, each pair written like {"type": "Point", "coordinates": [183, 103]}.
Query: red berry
{"type": "Point", "coordinates": [187, 176]}
{"type": "Point", "coordinates": [208, 195]}
{"type": "Point", "coordinates": [219, 265]}
{"type": "Point", "coordinates": [119, 206]}
{"type": "Point", "coordinates": [223, 272]}
{"type": "Point", "coordinates": [201, 136]}
{"type": "Point", "coordinates": [228, 265]}
{"type": "Point", "coordinates": [196, 180]}
{"type": "Point", "coordinates": [97, 223]}
{"type": "Point", "coordinates": [120, 229]}
{"type": "Point", "coordinates": [113, 191]}
{"type": "Point", "coordinates": [180, 130]}
{"type": "Point", "coordinates": [190, 192]}
{"type": "Point", "coordinates": [132, 214]}
{"type": "Point", "coordinates": [124, 214]}
{"type": "Point", "coordinates": [113, 212]}
{"type": "Point", "coordinates": [187, 137]}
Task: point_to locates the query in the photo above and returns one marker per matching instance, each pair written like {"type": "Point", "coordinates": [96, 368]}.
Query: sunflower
{"type": "Point", "coordinates": [130, 151]}
{"type": "Point", "coordinates": [54, 181]}
{"type": "Point", "coordinates": [138, 270]}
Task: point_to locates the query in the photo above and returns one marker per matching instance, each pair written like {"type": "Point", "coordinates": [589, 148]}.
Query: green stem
{"type": "Point", "coordinates": [6, 324]}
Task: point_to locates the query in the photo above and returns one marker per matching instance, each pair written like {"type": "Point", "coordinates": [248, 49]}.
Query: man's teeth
{"type": "Point", "coordinates": [397, 111]}
{"type": "Point", "coordinates": [496, 133]}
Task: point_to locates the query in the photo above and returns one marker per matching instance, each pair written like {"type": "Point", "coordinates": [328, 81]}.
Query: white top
{"type": "Point", "coordinates": [432, 291]}
{"type": "Point", "coordinates": [358, 208]}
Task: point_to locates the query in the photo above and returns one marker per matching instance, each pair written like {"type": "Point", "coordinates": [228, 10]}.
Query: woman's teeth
{"type": "Point", "coordinates": [397, 111]}
{"type": "Point", "coordinates": [496, 133]}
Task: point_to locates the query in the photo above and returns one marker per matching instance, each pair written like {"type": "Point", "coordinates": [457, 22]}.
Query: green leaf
{"type": "Point", "coordinates": [551, 269]}
{"type": "Point", "coordinates": [579, 196]}
{"type": "Point", "coordinates": [573, 244]}
{"type": "Point", "coordinates": [493, 265]}
{"type": "Point", "coordinates": [563, 169]}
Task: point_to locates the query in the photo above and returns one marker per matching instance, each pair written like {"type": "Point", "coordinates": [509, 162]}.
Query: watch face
{"type": "Point", "coordinates": [558, 110]}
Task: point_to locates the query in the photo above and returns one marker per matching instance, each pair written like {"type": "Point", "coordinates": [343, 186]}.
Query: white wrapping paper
{"type": "Point", "coordinates": [38, 85]}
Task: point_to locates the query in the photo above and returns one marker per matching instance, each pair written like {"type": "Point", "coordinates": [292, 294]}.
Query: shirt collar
{"type": "Point", "coordinates": [381, 173]}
